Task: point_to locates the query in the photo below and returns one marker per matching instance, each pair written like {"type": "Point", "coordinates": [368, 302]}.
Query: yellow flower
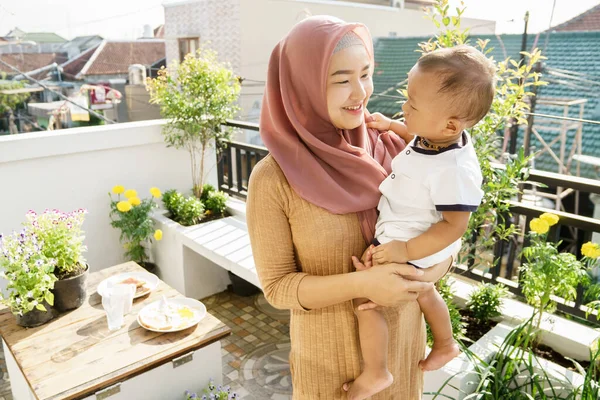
{"type": "Point", "coordinates": [124, 206]}
{"type": "Point", "coordinates": [135, 201]}
{"type": "Point", "coordinates": [130, 193]}
{"type": "Point", "coordinates": [539, 226]}
{"type": "Point", "coordinates": [591, 250]}
{"type": "Point", "coordinates": [118, 189]}
{"type": "Point", "coordinates": [551, 219]}
{"type": "Point", "coordinates": [158, 234]}
{"type": "Point", "coordinates": [155, 192]}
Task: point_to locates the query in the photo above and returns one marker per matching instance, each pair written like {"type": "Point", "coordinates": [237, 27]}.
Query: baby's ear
{"type": "Point", "coordinates": [453, 127]}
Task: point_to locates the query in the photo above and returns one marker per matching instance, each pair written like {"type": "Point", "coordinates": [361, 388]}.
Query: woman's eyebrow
{"type": "Point", "coordinates": [348, 71]}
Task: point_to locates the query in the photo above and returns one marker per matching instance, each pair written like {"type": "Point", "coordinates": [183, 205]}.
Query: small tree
{"type": "Point", "coordinates": [196, 99]}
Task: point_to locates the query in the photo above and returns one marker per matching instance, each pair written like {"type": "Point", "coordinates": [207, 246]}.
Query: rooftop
{"type": "Point", "coordinates": [114, 57]}
{"type": "Point", "coordinates": [586, 21]}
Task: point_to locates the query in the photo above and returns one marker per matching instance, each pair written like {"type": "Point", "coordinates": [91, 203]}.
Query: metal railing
{"type": "Point", "coordinates": [236, 163]}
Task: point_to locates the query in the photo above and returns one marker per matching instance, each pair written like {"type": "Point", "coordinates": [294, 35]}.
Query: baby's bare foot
{"type": "Point", "coordinates": [440, 355]}
{"type": "Point", "coordinates": [370, 382]}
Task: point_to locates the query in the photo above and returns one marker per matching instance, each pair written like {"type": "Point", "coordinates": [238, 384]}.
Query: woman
{"type": "Point", "coordinates": [312, 206]}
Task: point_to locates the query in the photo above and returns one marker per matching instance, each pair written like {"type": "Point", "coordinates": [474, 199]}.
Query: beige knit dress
{"type": "Point", "coordinates": [291, 238]}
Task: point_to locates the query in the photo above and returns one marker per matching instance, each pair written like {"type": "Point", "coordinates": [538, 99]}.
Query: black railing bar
{"type": "Point", "coordinates": [577, 221]}
{"type": "Point", "coordinates": [554, 179]}
{"type": "Point", "coordinates": [248, 147]}
{"type": "Point", "coordinates": [253, 126]}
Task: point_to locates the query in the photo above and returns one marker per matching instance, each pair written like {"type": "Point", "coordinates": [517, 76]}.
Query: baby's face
{"type": "Point", "coordinates": [426, 112]}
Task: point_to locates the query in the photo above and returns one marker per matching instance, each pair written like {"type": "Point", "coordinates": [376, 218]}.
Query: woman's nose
{"type": "Point", "coordinates": [359, 92]}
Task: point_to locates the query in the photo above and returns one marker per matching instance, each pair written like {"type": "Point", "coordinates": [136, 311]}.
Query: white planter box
{"type": "Point", "coordinates": [569, 338]}
{"type": "Point", "coordinates": [461, 379]}
{"type": "Point", "coordinates": [181, 268]}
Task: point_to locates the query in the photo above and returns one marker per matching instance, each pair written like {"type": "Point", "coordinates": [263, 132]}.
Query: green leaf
{"type": "Point", "coordinates": [49, 298]}
{"type": "Point", "coordinates": [41, 307]}
{"type": "Point", "coordinates": [446, 21]}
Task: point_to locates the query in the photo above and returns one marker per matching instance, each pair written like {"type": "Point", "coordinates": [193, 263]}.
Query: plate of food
{"type": "Point", "coordinates": [171, 315]}
{"type": "Point", "coordinates": [144, 282]}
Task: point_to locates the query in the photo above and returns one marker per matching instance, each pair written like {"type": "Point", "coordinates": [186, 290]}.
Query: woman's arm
{"type": "Point", "coordinates": [284, 285]}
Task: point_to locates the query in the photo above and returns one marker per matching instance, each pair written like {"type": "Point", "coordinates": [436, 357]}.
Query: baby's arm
{"type": "Point", "coordinates": [382, 123]}
{"type": "Point", "coordinates": [439, 236]}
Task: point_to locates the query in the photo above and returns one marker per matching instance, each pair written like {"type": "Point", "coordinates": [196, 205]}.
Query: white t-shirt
{"type": "Point", "coordinates": [423, 183]}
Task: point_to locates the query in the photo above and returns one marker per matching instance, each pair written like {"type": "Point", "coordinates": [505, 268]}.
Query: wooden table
{"type": "Point", "coordinates": [76, 356]}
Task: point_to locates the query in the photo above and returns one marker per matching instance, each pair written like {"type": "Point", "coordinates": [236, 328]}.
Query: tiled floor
{"type": "Point", "coordinates": [255, 355]}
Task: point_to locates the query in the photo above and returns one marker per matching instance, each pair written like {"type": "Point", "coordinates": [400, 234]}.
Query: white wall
{"type": "Point", "coordinates": [78, 167]}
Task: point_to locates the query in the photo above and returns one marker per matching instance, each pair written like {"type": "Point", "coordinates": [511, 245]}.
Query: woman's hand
{"type": "Point", "coordinates": [385, 285]}
{"type": "Point", "coordinates": [380, 122]}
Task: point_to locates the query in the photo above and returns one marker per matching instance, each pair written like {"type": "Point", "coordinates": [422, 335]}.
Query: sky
{"type": "Point", "coordinates": [124, 19]}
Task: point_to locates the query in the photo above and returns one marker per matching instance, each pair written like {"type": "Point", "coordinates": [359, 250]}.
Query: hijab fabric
{"type": "Point", "coordinates": [336, 169]}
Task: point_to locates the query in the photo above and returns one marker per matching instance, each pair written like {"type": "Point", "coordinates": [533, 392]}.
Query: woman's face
{"type": "Point", "coordinates": [349, 87]}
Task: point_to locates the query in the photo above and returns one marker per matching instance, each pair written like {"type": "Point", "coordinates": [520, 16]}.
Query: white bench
{"type": "Point", "coordinates": [226, 243]}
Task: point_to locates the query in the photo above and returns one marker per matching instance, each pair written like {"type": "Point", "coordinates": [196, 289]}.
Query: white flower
{"type": "Point", "coordinates": [18, 300]}
{"type": "Point", "coordinates": [35, 303]}
{"type": "Point", "coordinates": [29, 294]}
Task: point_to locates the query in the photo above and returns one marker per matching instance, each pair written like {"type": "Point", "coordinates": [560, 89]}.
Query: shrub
{"type": "Point", "coordinates": [485, 301]}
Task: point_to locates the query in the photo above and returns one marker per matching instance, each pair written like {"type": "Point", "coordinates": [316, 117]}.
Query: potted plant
{"type": "Point", "coordinates": [61, 240]}
{"type": "Point", "coordinates": [196, 99]}
{"type": "Point", "coordinates": [30, 278]}
{"type": "Point", "coordinates": [133, 217]}
{"type": "Point", "coordinates": [190, 210]}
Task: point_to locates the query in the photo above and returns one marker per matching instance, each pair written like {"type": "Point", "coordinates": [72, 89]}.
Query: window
{"type": "Point", "coordinates": [188, 45]}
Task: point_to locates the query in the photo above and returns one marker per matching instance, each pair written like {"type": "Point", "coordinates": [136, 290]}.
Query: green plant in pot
{"type": "Point", "coordinates": [131, 215]}
{"type": "Point", "coordinates": [30, 279]}
{"type": "Point", "coordinates": [62, 236]}
{"type": "Point", "coordinates": [196, 97]}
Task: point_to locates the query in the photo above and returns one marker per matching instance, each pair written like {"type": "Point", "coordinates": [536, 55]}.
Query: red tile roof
{"type": "Point", "coordinates": [587, 21]}
{"type": "Point", "coordinates": [74, 66]}
{"type": "Point", "coordinates": [112, 58]}
{"type": "Point", "coordinates": [26, 62]}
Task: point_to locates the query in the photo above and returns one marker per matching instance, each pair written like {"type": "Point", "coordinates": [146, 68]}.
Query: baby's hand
{"type": "Point", "coordinates": [367, 257]}
{"type": "Point", "coordinates": [380, 122]}
{"type": "Point", "coordinates": [392, 252]}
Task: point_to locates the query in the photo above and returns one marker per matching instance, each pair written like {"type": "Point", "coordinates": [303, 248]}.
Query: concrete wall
{"type": "Point", "coordinates": [78, 167]}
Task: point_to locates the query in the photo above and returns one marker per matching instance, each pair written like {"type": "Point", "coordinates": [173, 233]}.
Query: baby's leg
{"type": "Point", "coordinates": [437, 316]}
{"type": "Point", "coordinates": [373, 335]}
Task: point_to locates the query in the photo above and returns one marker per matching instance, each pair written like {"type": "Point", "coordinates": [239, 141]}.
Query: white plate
{"type": "Point", "coordinates": [197, 308]}
{"type": "Point", "coordinates": [150, 279]}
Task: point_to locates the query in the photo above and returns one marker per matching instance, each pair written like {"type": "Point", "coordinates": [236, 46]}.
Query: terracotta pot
{"type": "Point", "coordinates": [70, 293]}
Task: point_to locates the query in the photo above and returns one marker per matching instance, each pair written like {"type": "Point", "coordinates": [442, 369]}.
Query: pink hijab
{"type": "Point", "coordinates": [338, 170]}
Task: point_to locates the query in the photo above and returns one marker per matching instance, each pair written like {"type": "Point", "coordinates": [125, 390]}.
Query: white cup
{"type": "Point", "coordinates": [117, 301]}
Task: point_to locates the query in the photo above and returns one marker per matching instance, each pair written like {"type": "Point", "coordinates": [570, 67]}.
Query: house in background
{"type": "Point", "coordinates": [110, 60]}
{"type": "Point", "coordinates": [80, 44]}
{"type": "Point", "coordinates": [244, 32]}
{"type": "Point", "coordinates": [109, 64]}
{"type": "Point", "coordinates": [36, 42]}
